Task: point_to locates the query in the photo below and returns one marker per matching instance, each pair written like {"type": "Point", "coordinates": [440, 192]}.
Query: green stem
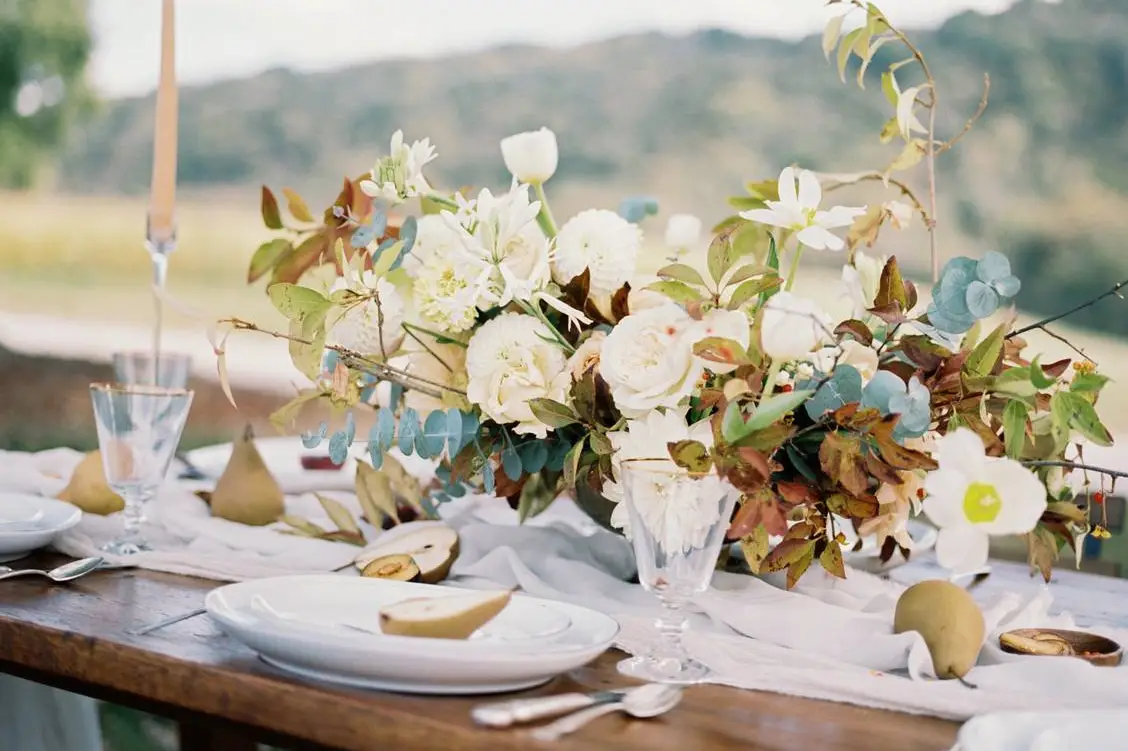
{"type": "Point", "coordinates": [440, 338]}
{"type": "Point", "coordinates": [770, 381]}
{"type": "Point", "coordinates": [544, 218]}
{"type": "Point", "coordinates": [534, 310]}
{"type": "Point", "coordinates": [794, 269]}
{"type": "Point", "coordinates": [443, 201]}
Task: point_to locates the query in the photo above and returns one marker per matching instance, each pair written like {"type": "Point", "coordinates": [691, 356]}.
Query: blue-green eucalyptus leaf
{"type": "Point", "coordinates": [383, 430]}
{"type": "Point", "coordinates": [312, 439]}
{"type": "Point", "coordinates": [339, 447]}
{"type": "Point", "coordinates": [534, 455]}
{"type": "Point", "coordinates": [511, 463]}
{"type": "Point", "coordinates": [433, 438]}
{"type": "Point", "coordinates": [982, 299]}
{"type": "Point", "coordinates": [408, 431]}
{"type": "Point", "coordinates": [992, 267]}
{"type": "Point", "coordinates": [844, 387]}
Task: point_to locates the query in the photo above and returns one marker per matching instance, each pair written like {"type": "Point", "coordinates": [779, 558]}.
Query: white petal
{"type": "Point", "coordinates": [810, 194]}
{"type": "Point", "coordinates": [787, 195]}
{"type": "Point", "coordinates": [944, 504]}
{"type": "Point", "coordinates": [962, 549]}
{"type": "Point", "coordinates": [765, 216]}
{"type": "Point", "coordinates": [818, 238]}
{"type": "Point", "coordinates": [838, 216]}
{"type": "Point", "coordinates": [1022, 493]}
{"type": "Point", "coordinates": [963, 450]}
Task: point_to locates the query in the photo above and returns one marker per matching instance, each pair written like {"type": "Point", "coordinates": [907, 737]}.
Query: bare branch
{"type": "Point", "coordinates": [1073, 465]}
{"type": "Point", "coordinates": [972, 120]}
{"type": "Point", "coordinates": [1114, 292]}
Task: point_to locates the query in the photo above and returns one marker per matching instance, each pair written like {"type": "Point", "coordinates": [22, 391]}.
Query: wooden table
{"type": "Point", "coordinates": [73, 637]}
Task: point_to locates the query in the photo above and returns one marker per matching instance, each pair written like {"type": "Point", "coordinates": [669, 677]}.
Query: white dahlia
{"type": "Point", "coordinates": [599, 240]}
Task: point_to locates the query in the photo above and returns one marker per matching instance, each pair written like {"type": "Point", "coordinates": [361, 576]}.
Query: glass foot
{"type": "Point", "coordinates": [126, 547]}
{"type": "Point", "coordinates": [664, 669]}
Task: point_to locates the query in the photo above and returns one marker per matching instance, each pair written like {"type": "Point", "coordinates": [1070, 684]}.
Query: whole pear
{"type": "Point", "coordinates": [246, 491]}
{"type": "Point", "coordinates": [88, 490]}
{"type": "Point", "coordinates": [948, 619]}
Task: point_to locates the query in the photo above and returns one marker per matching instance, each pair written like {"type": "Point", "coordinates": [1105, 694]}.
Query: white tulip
{"type": "Point", "coordinates": [531, 156]}
{"type": "Point", "coordinates": [792, 326]}
{"type": "Point", "coordinates": [683, 231]}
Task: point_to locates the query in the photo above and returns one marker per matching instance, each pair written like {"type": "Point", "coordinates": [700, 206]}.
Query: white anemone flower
{"type": "Point", "coordinates": [399, 176]}
{"type": "Point", "coordinates": [972, 496]}
{"type": "Point", "coordinates": [798, 210]}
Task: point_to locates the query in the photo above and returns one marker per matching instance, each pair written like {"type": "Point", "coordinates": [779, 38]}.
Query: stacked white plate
{"type": "Point", "coordinates": [29, 522]}
{"type": "Point", "coordinates": [326, 628]}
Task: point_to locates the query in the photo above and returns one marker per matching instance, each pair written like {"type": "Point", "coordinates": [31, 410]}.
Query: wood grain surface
{"type": "Point", "coordinates": [74, 636]}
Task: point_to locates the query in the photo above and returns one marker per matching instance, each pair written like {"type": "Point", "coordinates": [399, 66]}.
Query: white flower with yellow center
{"type": "Point", "coordinates": [601, 241]}
{"type": "Point", "coordinates": [648, 360]}
{"type": "Point", "coordinates": [399, 176]}
{"type": "Point", "coordinates": [509, 363]}
{"type": "Point", "coordinates": [680, 521]}
{"type": "Point", "coordinates": [972, 496]}
{"type": "Point", "coordinates": [798, 210]}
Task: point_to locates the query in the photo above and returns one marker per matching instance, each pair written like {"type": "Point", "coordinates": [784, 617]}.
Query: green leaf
{"type": "Point", "coordinates": [266, 256]}
{"type": "Point", "coordinates": [986, 355]}
{"type": "Point", "coordinates": [890, 90]}
{"type": "Point", "coordinates": [720, 350]}
{"type": "Point", "coordinates": [775, 407]}
{"type": "Point", "coordinates": [271, 216]}
{"type": "Point", "coordinates": [386, 259]}
{"type": "Point", "coordinates": [845, 48]}
{"type": "Point", "coordinates": [307, 357]}
{"type": "Point", "coordinates": [831, 559]}
{"type": "Point", "coordinates": [1083, 418]}
{"type": "Point", "coordinates": [536, 496]}
{"type": "Point", "coordinates": [298, 303]}
{"type": "Point", "coordinates": [755, 548]}
{"type": "Point", "coordinates": [679, 292]}
{"type": "Point", "coordinates": [909, 157]}
{"type": "Point", "coordinates": [600, 443]}
{"type": "Point", "coordinates": [721, 256]}
{"type": "Point", "coordinates": [1014, 427]}
{"type": "Point", "coordinates": [891, 288]}
{"type": "Point", "coordinates": [831, 33]}
{"type": "Point", "coordinates": [682, 273]}
{"type": "Point", "coordinates": [1060, 416]}
{"type": "Point", "coordinates": [1088, 383]}
{"type": "Point", "coordinates": [338, 514]}
{"type": "Point", "coordinates": [572, 462]}
{"type": "Point", "coordinates": [284, 416]}
{"type": "Point", "coordinates": [751, 288]}
{"type": "Point", "coordinates": [691, 455]}
{"type": "Point", "coordinates": [745, 273]}
{"type": "Point", "coordinates": [297, 206]}
{"type": "Point", "coordinates": [553, 413]}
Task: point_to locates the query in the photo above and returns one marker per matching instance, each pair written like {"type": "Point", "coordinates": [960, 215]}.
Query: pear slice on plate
{"type": "Point", "coordinates": [395, 567]}
{"type": "Point", "coordinates": [455, 617]}
{"type": "Point", "coordinates": [433, 547]}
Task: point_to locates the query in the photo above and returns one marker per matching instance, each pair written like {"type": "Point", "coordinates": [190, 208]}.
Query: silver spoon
{"type": "Point", "coordinates": [650, 700]}
{"type": "Point", "coordinates": [64, 573]}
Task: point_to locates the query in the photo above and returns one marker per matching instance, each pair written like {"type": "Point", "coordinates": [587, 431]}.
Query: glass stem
{"type": "Point", "coordinates": [671, 625]}
{"type": "Point", "coordinates": [134, 513]}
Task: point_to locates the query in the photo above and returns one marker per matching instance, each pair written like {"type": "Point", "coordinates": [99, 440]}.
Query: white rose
{"type": "Point", "coordinates": [683, 231]}
{"type": "Point", "coordinates": [792, 327]}
{"type": "Point", "coordinates": [849, 352]}
{"type": "Point", "coordinates": [648, 360]}
{"type": "Point", "coordinates": [359, 328]}
{"type": "Point", "coordinates": [586, 356]}
{"type": "Point", "coordinates": [640, 298]}
{"type": "Point", "coordinates": [601, 241]}
{"type": "Point", "coordinates": [726, 324]}
{"type": "Point", "coordinates": [531, 156]}
{"type": "Point", "coordinates": [509, 363]}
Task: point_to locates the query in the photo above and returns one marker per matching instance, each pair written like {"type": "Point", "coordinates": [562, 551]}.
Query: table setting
{"type": "Point", "coordinates": [570, 450]}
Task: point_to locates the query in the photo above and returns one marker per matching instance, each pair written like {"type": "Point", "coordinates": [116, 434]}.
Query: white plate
{"type": "Point", "coordinates": [46, 518]}
{"type": "Point", "coordinates": [283, 457]}
{"type": "Point", "coordinates": [320, 647]}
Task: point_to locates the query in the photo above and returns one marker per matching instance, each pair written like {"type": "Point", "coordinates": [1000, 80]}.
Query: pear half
{"type": "Point", "coordinates": [395, 567]}
{"type": "Point", "coordinates": [454, 617]}
{"type": "Point", "coordinates": [433, 547]}
{"type": "Point", "coordinates": [246, 492]}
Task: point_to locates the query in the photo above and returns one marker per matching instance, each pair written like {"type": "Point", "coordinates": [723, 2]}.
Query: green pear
{"type": "Point", "coordinates": [948, 619]}
{"type": "Point", "coordinates": [88, 490]}
{"type": "Point", "coordinates": [246, 491]}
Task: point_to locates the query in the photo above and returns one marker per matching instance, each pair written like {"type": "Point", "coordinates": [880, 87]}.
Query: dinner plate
{"type": "Point", "coordinates": [1063, 730]}
{"type": "Point", "coordinates": [283, 458]}
{"type": "Point", "coordinates": [306, 630]}
{"type": "Point", "coordinates": [31, 522]}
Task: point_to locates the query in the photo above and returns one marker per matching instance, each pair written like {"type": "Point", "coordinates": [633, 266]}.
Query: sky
{"type": "Point", "coordinates": [219, 39]}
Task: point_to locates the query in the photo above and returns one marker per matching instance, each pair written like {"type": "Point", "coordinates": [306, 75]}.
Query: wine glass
{"type": "Point", "coordinates": [169, 371]}
{"type": "Point", "coordinates": [139, 429]}
{"type": "Point", "coordinates": [678, 520]}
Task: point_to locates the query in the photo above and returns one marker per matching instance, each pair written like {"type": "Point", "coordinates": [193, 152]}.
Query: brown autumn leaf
{"type": "Point", "coordinates": [786, 553]}
{"type": "Point", "coordinates": [760, 507]}
{"type": "Point", "coordinates": [840, 456]}
{"type": "Point", "coordinates": [856, 329]}
{"type": "Point", "coordinates": [797, 493]}
{"type": "Point", "coordinates": [755, 548]}
{"type": "Point", "coordinates": [1042, 552]}
{"type": "Point", "coordinates": [881, 471]}
{"type": "Point", "coordinates": [619, 303]}
{"type": "Point", "coordinates": [894, 454]}
{"type": "Point", "coordinates": [831, 560]}
{"type": "Point", "coordinates": [799, 567]}
{"type": "Point", "coordinates": [853, 507]}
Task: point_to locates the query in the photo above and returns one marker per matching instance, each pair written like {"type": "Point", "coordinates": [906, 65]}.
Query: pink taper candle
{"type": "Point", "coordinates": [163, 194]}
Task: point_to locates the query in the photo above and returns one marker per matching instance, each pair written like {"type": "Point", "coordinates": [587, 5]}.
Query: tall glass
{"type": "Point", "coordinates": [171, 371]}
{"type": "Point", "coordinates": [139, 429]}
{"type": "Point", "coordinates": [678, 520]}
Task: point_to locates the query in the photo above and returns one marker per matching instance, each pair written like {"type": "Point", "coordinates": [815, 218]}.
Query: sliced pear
{"type": "Point", "coordinates": [433, 547]}
{"type": "Point", "coordinates": [454, 617]}
{"type": "Point", "coordinates": [395, 567]}
{"type": "Point", "coordinates": [1039, 644]}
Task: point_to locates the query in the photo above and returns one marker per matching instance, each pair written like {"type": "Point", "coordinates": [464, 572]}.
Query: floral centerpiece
{"type": "Point", "coordinates": [531, 357]}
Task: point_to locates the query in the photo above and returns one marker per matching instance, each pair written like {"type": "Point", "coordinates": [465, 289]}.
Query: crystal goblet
{"type": "Point", "coordinates": [678, 520]}
{"type": "Point", "coordinates": [139, 430]}
{"type": "Point", "coordinates": [169, 370]}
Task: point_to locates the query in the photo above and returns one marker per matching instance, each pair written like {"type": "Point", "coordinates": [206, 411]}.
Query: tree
{"type": "Point", "coordinates": [44, 47]}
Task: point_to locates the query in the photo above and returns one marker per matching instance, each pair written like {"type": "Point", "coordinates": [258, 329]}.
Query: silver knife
{"type": "Point", "coordinates": [506, 713]}
{"type": "Point", "coordinates": [166, 622]}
